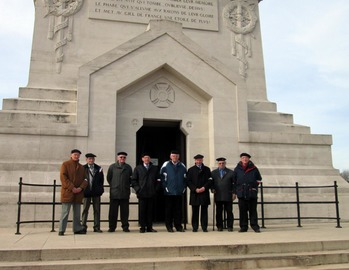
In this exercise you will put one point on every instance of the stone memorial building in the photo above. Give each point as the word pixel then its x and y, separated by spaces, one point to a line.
pixel 152 75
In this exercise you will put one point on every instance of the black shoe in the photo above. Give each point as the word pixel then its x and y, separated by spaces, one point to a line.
pixel 170 230
pixel 126 230
pixel 61 233
pixel 80 232
pixel 220 229
pixel 195 230
pixel 204 230
pixel 257 230
pixel 97 230
pixel 230 229
pixel 142 230
pixel 180 230
pixel 151 230
pixel 111 230
pixel 242 230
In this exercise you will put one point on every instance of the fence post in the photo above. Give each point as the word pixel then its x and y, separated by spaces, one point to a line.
pixel 262 205
pixel 19 205
pixel 298 206
pixel 337 204
pixel 53 206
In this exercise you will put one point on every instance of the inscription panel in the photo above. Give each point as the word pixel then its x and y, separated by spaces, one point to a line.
pixel 196 14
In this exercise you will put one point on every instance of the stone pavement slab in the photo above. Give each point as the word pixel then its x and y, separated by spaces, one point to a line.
pixel 42 238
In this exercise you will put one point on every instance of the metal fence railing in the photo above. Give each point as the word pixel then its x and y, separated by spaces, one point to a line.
pixel 262 202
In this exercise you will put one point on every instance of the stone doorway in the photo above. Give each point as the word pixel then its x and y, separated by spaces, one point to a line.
pixel 159 138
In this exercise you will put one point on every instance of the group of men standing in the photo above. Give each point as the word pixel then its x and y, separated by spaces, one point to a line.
pixel 84 184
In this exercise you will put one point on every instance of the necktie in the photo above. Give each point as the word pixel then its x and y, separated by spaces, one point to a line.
pixel 221 172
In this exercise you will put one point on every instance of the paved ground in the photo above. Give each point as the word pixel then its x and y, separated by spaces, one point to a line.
pixel 42 238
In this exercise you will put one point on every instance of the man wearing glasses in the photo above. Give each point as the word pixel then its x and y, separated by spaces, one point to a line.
pixel 119 179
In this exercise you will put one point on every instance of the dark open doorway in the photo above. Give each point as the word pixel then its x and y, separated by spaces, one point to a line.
pixel 159 138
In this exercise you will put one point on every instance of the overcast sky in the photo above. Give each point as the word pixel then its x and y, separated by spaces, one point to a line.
pixel 306 54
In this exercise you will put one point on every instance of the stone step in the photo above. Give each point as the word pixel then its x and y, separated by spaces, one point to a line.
pixel 261 106
pixel 200 261
pixel 273 127
pixel 28 118
pixel 269 117
pixel 26 104
pixel 47 94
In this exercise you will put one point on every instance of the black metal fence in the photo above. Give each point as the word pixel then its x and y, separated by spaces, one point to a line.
pixel 262 202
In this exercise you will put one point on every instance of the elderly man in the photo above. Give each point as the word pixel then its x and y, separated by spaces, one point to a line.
pixel 119 178
pixel 246 180
pixel 173 174
pixel 145 181
pixel 199 182
pixel 73 181
pixel 93 192
pixel 224 194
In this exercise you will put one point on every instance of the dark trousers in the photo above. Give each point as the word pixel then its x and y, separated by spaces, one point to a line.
pixel 228 209
pixel 173 211
pixel 146 212
pixel 114 211
pixel 248 207
pixel 203 216
pixel 96 203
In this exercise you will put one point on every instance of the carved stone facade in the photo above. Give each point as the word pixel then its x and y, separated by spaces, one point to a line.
pixel 194 80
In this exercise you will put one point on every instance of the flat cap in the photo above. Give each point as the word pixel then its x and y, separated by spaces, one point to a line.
pixel 221 159
pixel 198 156
pixel 122 153
pixel 245 155
pixel 90 155
pixel 75 151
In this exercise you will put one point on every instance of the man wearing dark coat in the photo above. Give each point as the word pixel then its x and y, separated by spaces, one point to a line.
pixel 199 181
pixel 246 179
pixel 93 192
pixel 224 194
pixel 119 179
pixel 145 181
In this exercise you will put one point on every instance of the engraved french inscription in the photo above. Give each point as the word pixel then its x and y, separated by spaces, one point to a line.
pixel 196 14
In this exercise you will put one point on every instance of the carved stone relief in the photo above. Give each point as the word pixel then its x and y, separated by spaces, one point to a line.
pixel 239 16
pixel 60 14
pixel 162 95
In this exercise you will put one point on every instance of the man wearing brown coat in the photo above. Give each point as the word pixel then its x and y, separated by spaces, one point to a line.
pixel 73 181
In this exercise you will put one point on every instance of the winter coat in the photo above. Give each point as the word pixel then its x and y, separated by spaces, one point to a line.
pixel 119 179
pixel 145 181
pixel 247 181
pixel 223 187
pixel 97 189
pixel 173 178
pixel 72 174
pixel 198 178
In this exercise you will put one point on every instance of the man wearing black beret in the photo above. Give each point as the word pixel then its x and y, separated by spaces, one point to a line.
pixel 119 179
pixel 247 178
pixel 93 192
pixel 224 193
pixel 199 182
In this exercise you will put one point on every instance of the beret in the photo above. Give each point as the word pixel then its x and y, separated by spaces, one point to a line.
pixel 245 155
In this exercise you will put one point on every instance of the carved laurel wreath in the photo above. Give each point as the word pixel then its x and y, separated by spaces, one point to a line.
pixel 54 7
pixel 239 23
